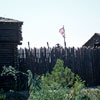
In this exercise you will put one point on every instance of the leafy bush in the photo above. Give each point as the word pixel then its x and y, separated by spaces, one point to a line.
pixel 76 93
pixel 53 92
pixel 33 83
pixel 12 72
pixel 54 86
pixel 61 84
pixel 94 94
pixel 9 71
pixel 61 75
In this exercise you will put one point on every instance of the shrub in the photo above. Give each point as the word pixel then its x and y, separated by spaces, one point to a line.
pixel 76 93
pixel 63 76
pixel 54 86
pixel 53 92
pixel 33 83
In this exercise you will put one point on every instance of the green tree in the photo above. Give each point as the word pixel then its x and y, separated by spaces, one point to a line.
pixel 60 75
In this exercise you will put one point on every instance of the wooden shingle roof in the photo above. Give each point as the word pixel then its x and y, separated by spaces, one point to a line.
pixel 5 20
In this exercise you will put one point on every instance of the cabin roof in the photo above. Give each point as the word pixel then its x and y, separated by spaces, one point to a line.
pixel 92 38
pixel 97 34
pixel 2 19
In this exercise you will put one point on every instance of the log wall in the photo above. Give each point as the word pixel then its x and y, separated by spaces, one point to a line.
pixel 83 61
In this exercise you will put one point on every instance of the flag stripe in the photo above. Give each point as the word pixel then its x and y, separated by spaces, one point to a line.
pixel 62 31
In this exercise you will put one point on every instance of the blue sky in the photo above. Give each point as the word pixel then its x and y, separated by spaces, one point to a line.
pixel 43 19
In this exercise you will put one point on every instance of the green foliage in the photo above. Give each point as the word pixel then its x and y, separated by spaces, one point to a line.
pixel 75 93
pixel 53 92
pixel 33 83
pixel 60 75
pixel 61 84
pixel 54 86
pixel 99 87
pixel 2 96
pixel 9 71
pixel 94 94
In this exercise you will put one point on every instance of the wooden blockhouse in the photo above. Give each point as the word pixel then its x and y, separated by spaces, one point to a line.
pixel 10 38
pixel 94 41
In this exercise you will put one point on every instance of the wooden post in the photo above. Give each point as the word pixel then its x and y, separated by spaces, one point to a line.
pixel 29 46
pixel 48 45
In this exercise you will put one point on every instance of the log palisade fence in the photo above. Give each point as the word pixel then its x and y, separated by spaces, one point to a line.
pixel 83 61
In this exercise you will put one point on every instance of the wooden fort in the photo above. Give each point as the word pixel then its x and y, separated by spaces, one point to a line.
pixel 94 41
pixel 10 38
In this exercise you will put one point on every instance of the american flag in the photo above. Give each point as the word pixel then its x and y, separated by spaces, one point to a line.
pixel 62 31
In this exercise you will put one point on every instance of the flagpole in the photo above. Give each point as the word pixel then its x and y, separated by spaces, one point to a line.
pixel 64 42
pixel 64 37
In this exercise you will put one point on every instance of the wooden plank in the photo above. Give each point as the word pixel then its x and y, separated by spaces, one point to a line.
pixel 10 26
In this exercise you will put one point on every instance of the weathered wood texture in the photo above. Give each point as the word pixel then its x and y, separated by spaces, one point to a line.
pixel 10 37
pixel 10 32
pixel 8 54
pixel 83 61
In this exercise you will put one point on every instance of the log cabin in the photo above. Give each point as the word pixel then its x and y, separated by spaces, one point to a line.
pixel 93 42
pixel 10 38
